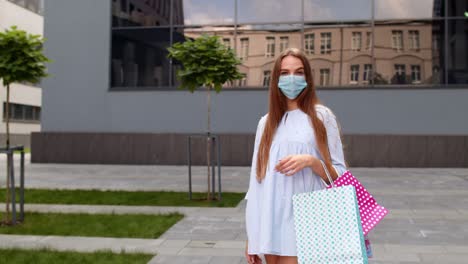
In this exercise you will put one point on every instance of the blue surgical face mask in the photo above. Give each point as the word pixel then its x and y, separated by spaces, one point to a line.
pixel 292 85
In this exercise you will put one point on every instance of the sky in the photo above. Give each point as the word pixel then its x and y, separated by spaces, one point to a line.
pixel 262 11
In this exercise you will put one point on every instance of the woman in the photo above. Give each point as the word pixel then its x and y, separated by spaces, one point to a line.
pixel 290 141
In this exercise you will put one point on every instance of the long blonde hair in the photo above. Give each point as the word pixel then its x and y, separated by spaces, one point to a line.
pixel 306 101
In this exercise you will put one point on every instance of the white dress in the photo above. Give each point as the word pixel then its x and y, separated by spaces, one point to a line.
pixel 269 214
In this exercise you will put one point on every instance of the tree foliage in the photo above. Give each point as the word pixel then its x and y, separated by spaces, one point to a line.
pixel 206 62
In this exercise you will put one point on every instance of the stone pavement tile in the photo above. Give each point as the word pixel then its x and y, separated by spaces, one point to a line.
pixel 233 252
pixel 397 257
pixel 227 260
pixel 197 218
pixel 230 244
pixel 159 259
pixel 457 248
pixel 174 243
pixel 201 244
pixel 168 250
pixel 371 261
pixel 404 248
pixel 455 258
pixel 241 237
pixel 378 249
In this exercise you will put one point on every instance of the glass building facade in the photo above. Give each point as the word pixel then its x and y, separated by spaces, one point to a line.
pixel 350 43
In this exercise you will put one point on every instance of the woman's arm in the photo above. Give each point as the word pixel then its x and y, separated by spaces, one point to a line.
pixel 335 147
pixel 291 164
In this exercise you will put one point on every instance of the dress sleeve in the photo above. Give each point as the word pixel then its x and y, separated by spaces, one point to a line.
pixel 334 140
pixel 258 137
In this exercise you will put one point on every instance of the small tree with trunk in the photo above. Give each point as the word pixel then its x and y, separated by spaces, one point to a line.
pixel 21 60
pixel 206 63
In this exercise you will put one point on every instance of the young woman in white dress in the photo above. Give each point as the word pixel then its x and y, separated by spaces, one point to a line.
pixel 290 141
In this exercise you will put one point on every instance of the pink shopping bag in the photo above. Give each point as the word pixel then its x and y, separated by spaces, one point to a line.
pixel 371 212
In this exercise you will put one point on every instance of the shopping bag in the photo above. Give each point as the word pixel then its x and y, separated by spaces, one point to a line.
pixel 370 211
pixel 328 226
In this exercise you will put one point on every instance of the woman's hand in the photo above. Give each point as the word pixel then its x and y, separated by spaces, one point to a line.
pixel 251 259
pixel 291 164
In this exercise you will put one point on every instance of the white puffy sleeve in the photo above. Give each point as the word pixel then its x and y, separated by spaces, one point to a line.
pixel 258 137
pixel 334 139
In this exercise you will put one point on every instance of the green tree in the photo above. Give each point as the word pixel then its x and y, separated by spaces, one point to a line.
pixel 206 63
pixel 21 60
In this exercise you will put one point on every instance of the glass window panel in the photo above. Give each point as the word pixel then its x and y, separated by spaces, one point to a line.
pixel 259 45
pixel 367 74
pixel 284 43
pixel 204 12
pixel 325 42
pixel 28 114
pixel 226 38
pixel 458 51
pixel 324 77
pixel 337 10
pixel 354 78
pixel 356 41
pixel 413 39
pixel 140 13
pixel 259 11
pixel 18 112
pixel 270 47
pixel 404 50
pixel 309 43
pixel 338 47
pixel 37 113
pixel 227 43
pixel 458 8
pixel 139 57
pixel 406 9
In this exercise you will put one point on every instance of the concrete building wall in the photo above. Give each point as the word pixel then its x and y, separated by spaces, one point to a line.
pixel 77 100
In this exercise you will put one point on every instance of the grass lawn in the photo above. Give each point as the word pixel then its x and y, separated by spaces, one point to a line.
pixel 26 150
pixel 96 197
pixel 20 256
pixel 96 225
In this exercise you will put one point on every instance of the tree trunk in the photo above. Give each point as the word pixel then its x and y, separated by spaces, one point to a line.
pixel 7 191
pixel 208 143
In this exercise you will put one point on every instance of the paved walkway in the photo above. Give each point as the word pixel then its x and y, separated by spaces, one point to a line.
pixel 428 220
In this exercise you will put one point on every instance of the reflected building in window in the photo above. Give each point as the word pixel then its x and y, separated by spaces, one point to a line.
pixel 401 51
pixel 354 52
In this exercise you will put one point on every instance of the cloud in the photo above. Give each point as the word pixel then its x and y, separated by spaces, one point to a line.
pixel 200 12
pixel 395 9
pixel 261 11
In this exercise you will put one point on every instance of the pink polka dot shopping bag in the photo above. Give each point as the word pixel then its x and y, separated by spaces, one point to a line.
pixel 370 211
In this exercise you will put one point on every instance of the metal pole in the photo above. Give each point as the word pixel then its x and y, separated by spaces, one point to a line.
pixel 219 167
pixel 213 176
pixel 171 40
pixel 12 182
pixel 189 152
pixel 22 186
pixel 302 25
pixel 446 44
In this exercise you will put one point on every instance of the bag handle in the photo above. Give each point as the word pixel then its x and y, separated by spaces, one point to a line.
pixel 327 173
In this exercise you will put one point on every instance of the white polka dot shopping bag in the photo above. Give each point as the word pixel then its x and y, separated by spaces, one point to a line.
pixel 370 211
pixel 328 226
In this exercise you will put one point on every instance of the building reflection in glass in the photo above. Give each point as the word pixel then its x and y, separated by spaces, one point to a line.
pixel 405 45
